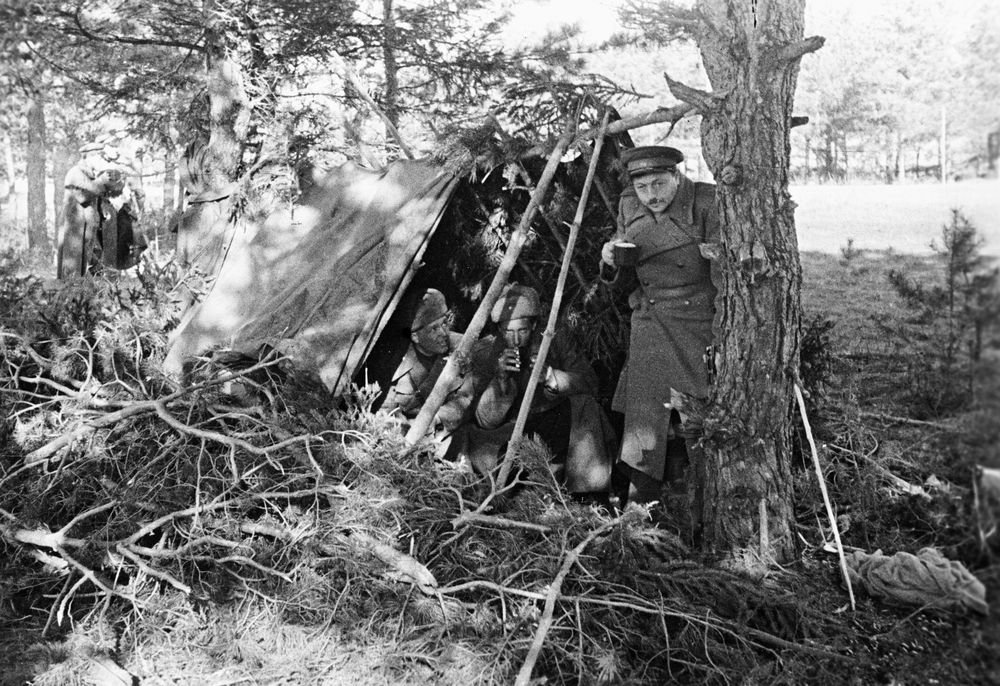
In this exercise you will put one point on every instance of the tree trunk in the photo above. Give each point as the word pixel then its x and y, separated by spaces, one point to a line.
pixel 752 57
pixel 943 146
pixel 169 183
pixel 38 235
pixel 63 156
pixel 391 103
pixel 900 159
pixel 10 192
pixel 846 176
pixel 229 116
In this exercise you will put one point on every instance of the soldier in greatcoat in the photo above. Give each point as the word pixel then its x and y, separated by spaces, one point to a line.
pixel 100 216
pixel 671 221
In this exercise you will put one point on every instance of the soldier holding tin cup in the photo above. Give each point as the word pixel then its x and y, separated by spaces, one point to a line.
pixel 672 222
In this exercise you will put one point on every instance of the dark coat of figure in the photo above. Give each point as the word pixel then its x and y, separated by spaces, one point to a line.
pixel 672 221
pixel 102 209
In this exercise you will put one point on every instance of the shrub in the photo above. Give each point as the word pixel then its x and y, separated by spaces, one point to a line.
pixel 950 320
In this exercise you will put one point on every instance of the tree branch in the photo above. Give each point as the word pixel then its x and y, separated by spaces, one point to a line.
pixel 658 116
pixel 704 101
pixel 545 623
pixel 795 51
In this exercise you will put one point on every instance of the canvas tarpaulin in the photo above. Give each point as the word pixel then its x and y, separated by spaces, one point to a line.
pixel 319 281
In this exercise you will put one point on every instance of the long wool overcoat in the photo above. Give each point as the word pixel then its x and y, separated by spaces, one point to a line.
pixel 672 312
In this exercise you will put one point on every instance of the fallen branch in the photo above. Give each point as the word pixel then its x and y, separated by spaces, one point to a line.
pixel 897 481
pixel 467 518
pixel 545 623
pixel 44 454
pixel 644 606
pixel 893 419
pixel 404 567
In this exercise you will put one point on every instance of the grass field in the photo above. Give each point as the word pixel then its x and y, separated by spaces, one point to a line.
pixel 904 218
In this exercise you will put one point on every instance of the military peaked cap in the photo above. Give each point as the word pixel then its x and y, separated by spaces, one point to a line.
pixel 649 159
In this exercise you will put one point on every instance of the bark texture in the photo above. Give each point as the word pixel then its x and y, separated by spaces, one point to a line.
pixel 751 51
pixel 38 235
pixel 63 156
pixel 229 107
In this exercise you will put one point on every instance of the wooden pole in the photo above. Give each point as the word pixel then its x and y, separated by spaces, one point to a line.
pixel 449 374
pixel 826 496
pixel 550 326
pixel 658 116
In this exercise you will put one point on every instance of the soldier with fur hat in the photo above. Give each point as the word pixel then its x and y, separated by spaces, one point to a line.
pixel 671 220
pixel 426 323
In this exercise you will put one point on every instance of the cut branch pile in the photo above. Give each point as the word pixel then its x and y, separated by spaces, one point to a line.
pixel 124 496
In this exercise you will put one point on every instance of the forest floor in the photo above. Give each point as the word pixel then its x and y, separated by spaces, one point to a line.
pixel 298 601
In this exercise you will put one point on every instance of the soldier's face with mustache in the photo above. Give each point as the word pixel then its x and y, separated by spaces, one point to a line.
pixel 656 190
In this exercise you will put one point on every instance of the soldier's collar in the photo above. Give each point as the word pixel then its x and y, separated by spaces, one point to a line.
pixel 682 206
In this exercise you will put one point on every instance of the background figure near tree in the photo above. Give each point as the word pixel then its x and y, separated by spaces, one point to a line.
pixel 564 412
pixel 100 225
pixel 669 219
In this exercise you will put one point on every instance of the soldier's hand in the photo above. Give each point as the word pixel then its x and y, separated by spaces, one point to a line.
pixel 608 254
pixel 509 361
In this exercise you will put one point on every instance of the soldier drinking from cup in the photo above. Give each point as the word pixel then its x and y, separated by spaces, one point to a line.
pixel 564 412
pixel 670 220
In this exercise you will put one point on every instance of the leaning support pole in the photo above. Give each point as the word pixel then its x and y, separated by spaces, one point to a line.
pixel 826 496
pixel 418 429
pixel 550 326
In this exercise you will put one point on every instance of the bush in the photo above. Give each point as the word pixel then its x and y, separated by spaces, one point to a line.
pixel 949 321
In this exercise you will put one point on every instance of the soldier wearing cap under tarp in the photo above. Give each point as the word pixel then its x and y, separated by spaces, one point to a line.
pixel 670 220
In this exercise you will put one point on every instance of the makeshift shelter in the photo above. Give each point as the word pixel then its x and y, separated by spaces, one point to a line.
pixel 318 281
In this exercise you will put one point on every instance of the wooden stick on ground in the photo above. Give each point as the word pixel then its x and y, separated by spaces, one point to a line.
pixel 550 326
pixel 826 496
pixel 545 623
pixel 418 429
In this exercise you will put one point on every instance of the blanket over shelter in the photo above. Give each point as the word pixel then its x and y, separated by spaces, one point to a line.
pixel 319 280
